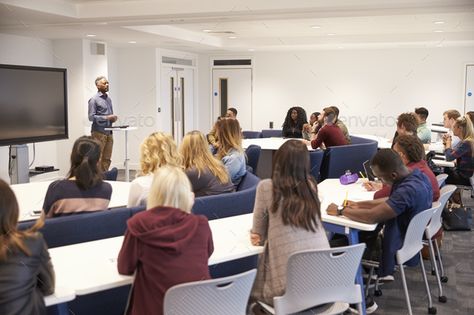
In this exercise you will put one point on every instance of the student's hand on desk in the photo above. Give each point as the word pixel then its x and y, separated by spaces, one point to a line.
pixel 372 186
pixel 352 204
pixel 332 209
pixel 255 239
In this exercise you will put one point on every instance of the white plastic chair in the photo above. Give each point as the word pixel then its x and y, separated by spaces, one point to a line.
pixel 431 230
pixel 412 246
pixel 227 295
pixel 441 178
pixel 318 277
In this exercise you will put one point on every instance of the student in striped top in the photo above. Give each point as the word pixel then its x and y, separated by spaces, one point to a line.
pixel 83 190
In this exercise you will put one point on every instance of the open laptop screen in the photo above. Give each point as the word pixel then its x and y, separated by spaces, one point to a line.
pixel 368 170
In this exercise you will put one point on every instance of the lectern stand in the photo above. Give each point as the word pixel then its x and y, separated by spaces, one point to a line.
pixel 125 163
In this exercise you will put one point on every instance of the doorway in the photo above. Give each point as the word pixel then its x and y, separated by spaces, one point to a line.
pixel 177 100
pixel 232 87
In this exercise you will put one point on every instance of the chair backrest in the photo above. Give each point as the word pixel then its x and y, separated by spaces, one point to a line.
pixel 229 204
pixel 248 134
pixel 227 295
pixel 316 160
pixel 351 157
pixel 316 277
pixel 111 174
pixel 441 178
pixel 268 133
pixel 253 155
pixel 83 227
pixel 435 223
pixel 413 242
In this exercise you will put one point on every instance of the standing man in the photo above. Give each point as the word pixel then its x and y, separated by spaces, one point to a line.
pixel 101 113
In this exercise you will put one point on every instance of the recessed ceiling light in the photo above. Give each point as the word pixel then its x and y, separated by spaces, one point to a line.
pixel 232 37
pixel 315 26
pixel 251 49
pixel 132 42
pixel 438 22
pixel 331 34
pixel 438 31
pixel 340 47
pixel 207 31
pixel 91 35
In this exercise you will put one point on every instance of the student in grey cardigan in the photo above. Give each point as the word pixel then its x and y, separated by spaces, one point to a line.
pixel 286 219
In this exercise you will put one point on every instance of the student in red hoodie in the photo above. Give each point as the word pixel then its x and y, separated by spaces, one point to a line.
pixel 166 244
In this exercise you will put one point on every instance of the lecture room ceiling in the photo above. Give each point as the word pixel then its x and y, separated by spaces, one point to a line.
pixel 210 26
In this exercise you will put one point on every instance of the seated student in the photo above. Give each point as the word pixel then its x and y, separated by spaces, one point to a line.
pixel 411 194
pixel 286 219
pixel 309 129
pixel 212 137
pixel 412 153
pixel 208 176
pixel 341 125
pixel 166 244
pixel 26 272
pixel 329 135
pixel 463 153
pixel 449 119
pixel 83 190
pixel 157 150
pixel 294 121
pixel 423 132
pixel 407 124
pixel 230 149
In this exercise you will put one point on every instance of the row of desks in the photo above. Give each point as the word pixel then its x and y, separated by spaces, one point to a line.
pixel 94 264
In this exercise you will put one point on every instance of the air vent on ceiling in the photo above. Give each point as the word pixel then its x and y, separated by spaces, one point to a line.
pixel 98 49
pixel 233 62
pixel 177 61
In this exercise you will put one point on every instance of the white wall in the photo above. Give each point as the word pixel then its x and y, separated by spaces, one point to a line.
pixel 134 86
pixel 370 87
pixel 33 52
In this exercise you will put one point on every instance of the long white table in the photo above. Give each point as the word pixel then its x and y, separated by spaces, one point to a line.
pixel 92 266
pixel 30 197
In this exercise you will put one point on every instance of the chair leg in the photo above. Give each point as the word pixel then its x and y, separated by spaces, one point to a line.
pixel 441 297
pixel 405 289
pixel 443 277
pixel 431 308
pixel 369 280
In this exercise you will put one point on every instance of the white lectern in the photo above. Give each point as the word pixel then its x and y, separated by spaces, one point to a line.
pixel 125 163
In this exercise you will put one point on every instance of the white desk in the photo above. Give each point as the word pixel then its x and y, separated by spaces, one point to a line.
pixel 383 143
pixel 30 197
pixel 60 295
pixel 268 147
pixel 92 266
pixel 439 129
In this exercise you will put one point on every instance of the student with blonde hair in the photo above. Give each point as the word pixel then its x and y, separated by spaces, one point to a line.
pixel 166 244
pixel 462 153
pixel 207 174
pixel 230 149
pixel 157 150
pixel 26 272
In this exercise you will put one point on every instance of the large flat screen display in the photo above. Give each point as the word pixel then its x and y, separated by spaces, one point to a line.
pixel 33 104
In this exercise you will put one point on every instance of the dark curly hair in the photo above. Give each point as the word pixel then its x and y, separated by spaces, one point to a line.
pixel 409 121
pixel 300 120
pixel 411 147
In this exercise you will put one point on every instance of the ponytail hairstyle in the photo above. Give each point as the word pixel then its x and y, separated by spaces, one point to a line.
pixel 10 238
pixel 85 156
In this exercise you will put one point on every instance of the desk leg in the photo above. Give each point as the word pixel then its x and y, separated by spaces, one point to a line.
pixel 127 173
pixel 353 238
